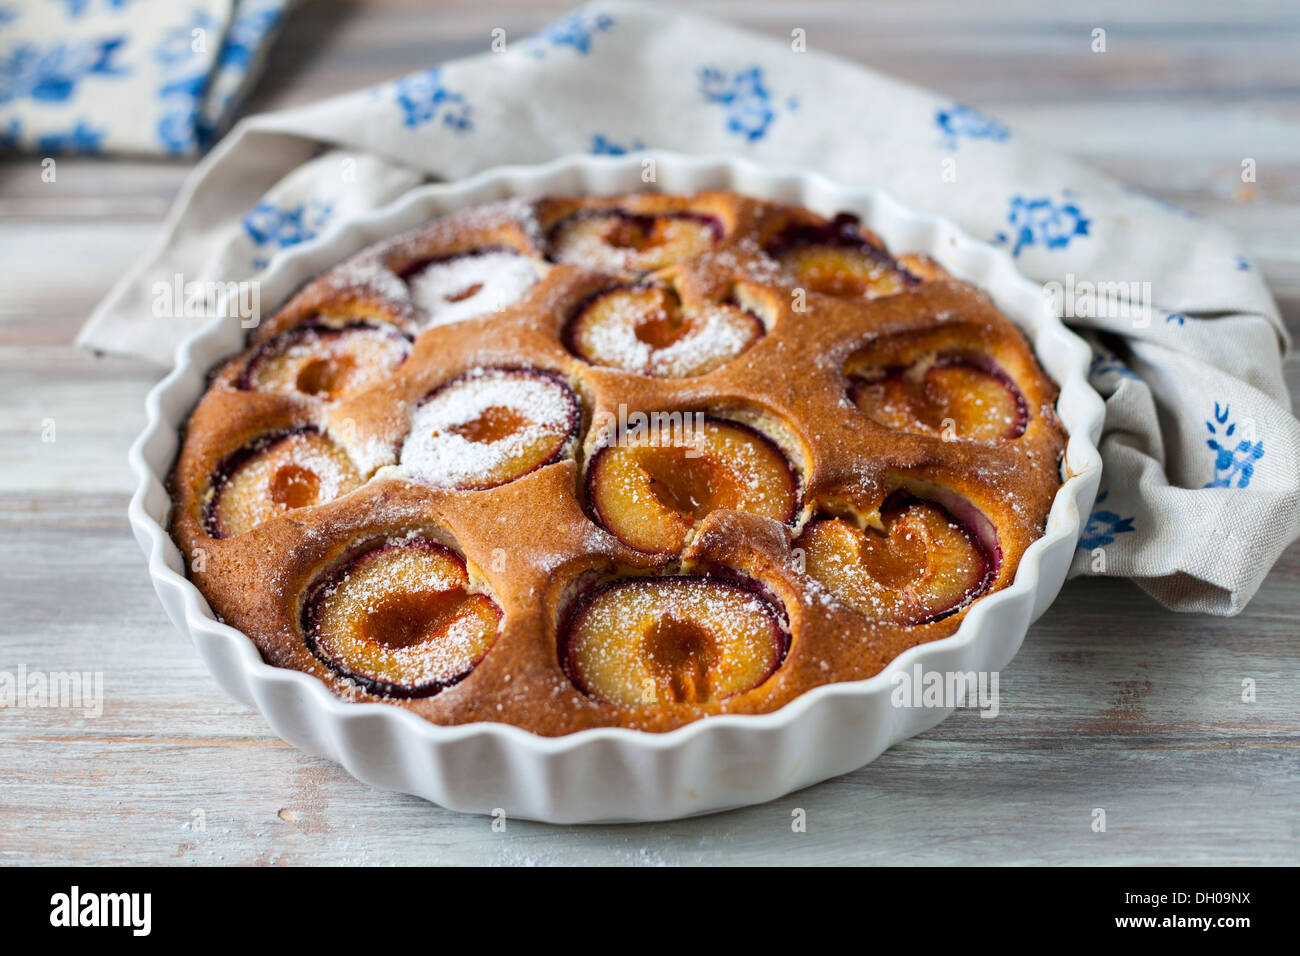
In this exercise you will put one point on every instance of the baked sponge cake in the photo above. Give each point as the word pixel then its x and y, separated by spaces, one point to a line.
pixel 626 461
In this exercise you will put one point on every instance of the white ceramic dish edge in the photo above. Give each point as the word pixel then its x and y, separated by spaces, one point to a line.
pixel 615 774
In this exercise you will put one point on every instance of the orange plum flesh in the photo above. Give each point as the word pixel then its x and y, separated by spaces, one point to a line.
pixel 400 619
pixel 951 397
pixel 643 641
pixel 275 474
pixel 924 566
pixel 652 490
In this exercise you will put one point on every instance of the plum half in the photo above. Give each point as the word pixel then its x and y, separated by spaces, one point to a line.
pixel 399 619
pixel 490 426
pixel 835 259
pixel 971 394
pixel 691 640
pixel 923 566
pixel 273 474
pixel 615 240
pixel 324 361
pixel 644 329
pixel 653 487
pixel 470 284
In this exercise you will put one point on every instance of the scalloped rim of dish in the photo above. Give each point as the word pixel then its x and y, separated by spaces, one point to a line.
pixel 169 403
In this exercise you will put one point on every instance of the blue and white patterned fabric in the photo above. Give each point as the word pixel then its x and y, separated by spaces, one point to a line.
pixel 127 76
pixel 1202 455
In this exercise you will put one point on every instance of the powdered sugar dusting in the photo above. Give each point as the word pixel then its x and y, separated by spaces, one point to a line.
pixel 351 619
pixel 589 240
pixel 467 286
pixel 371 453
pixel 326 361
pixel 368 273
pixel 318 467
pixel 709 338
pixel 685 639
pixel 746 259
pixel 437 453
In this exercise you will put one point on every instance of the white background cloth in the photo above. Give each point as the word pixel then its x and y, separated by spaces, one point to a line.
pixel 1201 484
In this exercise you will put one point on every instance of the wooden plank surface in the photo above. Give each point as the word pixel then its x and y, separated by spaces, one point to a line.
pixel 1112 703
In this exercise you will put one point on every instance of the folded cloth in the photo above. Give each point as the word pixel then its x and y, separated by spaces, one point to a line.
pixel 1201 483
pixel 127 76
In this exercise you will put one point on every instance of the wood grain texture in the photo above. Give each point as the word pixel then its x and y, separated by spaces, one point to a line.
pixel 1112 703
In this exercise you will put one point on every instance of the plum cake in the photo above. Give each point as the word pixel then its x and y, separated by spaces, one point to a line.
pixel 630 461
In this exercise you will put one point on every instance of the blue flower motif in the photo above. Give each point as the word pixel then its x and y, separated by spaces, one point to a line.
pixel 1231 462
pixel 1042 221
pixel 246 33
pixel 75 8
pixel 958 120
pixel 423 97
pixel 1171 317
pixel 254 21
pixel 744 96
pixel 601 146
pixel 1104 363
pixel 1241 264
pixel 184 75
pixel 577 31
pixel 191 87
pixel 51 74
pixel 1103 525
pixel 81 138
pixel 178 128
pixel 283 226
pixel 177 45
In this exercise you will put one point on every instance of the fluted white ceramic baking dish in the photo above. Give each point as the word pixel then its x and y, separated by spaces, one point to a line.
pixel 616 774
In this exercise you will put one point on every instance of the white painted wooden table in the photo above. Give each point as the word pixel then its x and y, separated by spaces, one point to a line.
pixel 1112 703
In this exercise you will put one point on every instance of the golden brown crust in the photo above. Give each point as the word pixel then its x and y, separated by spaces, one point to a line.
pixel 530 542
